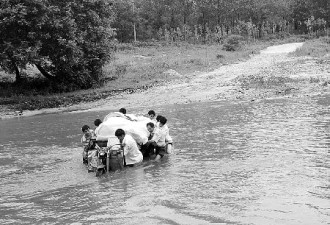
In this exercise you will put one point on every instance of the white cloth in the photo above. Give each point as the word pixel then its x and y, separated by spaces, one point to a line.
pixel 112 122
pixel 131 150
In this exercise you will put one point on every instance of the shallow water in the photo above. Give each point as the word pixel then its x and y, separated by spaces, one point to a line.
pixel 264 162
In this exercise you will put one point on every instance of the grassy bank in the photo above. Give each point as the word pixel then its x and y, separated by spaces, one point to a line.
pixel 304 75
pixel 318 48
pixel 133 68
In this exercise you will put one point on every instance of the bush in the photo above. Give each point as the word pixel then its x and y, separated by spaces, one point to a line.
pixel 325 40
pixel 233 43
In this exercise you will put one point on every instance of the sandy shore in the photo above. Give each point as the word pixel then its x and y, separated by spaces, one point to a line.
pixel 227 83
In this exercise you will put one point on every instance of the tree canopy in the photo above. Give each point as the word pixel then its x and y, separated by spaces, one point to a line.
pixel 181 19
pixel 67 40
pixel 70 40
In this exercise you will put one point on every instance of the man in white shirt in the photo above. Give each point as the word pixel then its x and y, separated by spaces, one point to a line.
pixel 158 139
pixel 132 154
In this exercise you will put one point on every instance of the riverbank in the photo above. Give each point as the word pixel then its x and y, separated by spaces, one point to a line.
pixel 275 72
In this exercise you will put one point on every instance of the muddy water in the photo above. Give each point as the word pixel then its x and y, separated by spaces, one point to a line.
pixel 263 162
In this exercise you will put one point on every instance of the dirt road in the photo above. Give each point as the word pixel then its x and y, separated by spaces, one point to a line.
pixel 270 74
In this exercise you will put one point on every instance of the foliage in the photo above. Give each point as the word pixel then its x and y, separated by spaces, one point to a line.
pixel 68 40
pixel 319 48
pixel 233 43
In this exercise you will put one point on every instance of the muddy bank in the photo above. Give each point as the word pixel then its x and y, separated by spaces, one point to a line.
pixel 272 73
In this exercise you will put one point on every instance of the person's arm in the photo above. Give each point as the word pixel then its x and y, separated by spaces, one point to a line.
pixel 156 136
pixel 168 139
pixel 127 146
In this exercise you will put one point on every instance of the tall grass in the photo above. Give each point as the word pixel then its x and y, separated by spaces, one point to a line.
pixel 316 48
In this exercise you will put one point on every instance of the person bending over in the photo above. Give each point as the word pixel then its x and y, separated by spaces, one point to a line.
pixel 132 154
pixel 148 149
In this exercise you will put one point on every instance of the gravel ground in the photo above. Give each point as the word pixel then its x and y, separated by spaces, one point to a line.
pixel 273 73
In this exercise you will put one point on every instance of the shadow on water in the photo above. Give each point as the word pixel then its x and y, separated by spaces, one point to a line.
pixel 264 162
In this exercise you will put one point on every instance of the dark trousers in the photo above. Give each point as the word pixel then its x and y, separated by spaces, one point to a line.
pixel 148 149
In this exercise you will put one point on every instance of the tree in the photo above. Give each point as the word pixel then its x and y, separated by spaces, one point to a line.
pixel 68 40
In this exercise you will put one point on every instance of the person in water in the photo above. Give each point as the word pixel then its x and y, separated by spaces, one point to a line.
pixel 89 152
pixel 158 139
pixel 123 113
pixel 148 149
pixel 97 123
pixel 168 139
pixel 122 110
pixel 88 135
pixel 152 115
pixel 132 154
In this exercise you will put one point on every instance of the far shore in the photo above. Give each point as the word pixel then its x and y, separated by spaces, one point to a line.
pixel 278 71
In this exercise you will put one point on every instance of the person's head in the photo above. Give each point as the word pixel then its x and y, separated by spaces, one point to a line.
pixel 162 121
pixel 122 110
pixel 151 114
pixel 85 128
pixel 97 122
pixel 120 134
pixel 158 117
pixel 150 127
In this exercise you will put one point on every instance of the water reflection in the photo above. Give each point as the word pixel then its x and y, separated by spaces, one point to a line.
pixel 264 162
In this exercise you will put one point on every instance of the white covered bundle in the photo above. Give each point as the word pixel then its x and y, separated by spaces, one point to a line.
pixel 136 126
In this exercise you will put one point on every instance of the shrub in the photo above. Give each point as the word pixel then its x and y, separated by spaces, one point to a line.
pixel 121 69
pixel 325 40
pixel 233 43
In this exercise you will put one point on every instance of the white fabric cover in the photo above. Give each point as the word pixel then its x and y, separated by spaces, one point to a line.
pixel 137 128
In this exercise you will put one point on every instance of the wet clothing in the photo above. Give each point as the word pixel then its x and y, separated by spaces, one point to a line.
pixel 131 151
pixel 159 136
pixel 89 153
pixel 160 150
pixel 156 144
pixel 87 136
pixel 168 138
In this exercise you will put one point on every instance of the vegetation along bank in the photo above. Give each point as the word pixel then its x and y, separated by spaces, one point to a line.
pixel 63 53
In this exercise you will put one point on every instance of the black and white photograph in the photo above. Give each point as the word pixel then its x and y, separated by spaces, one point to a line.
pixel 165 112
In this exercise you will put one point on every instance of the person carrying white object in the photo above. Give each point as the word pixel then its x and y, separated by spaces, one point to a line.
pixel 132 154
pixel 98 124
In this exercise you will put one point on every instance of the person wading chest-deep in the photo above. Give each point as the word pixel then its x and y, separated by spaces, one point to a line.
pixel 132 154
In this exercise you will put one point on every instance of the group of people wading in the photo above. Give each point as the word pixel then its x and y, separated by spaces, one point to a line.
pixel 158 144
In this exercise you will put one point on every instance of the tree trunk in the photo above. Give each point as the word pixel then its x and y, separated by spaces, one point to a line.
pixel 44 72
pixel 18 77
pixel 218 13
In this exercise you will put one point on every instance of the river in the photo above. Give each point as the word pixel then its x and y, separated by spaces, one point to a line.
pixel 262 162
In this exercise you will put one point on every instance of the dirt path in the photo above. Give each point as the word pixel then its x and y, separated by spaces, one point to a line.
pixel 272 73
